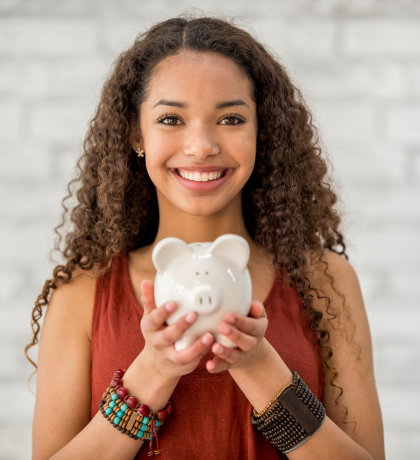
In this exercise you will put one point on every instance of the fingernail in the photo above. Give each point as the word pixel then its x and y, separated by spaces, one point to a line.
pixel 224 328
pixel 219 348
pixel 207 339
pixel 230 319
pixel 190 318
pixel 169 306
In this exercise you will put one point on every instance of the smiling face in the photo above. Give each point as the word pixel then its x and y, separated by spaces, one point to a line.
pixel 195 101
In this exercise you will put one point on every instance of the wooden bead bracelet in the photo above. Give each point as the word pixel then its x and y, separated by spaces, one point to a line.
pixel 130 417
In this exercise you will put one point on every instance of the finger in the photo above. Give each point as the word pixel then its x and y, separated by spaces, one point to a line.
pixel 251 326
pixel 230 355
pixel 245 342
pixel 147 296
pixel 196 350
pixel 172 333
pixel 217 365
pixel 155 320
pixel 257 309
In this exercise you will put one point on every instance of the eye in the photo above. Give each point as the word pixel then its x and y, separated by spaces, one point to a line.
pixel 168 116
pixel 196 273
pixel 234 117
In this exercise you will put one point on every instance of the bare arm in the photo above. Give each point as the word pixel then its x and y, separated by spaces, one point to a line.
pixel 62 423
pixel 356 374
pixel 264 373
pixel 62 428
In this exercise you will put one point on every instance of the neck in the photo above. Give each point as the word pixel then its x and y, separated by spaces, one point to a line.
pixel 205 228
pixel 192 228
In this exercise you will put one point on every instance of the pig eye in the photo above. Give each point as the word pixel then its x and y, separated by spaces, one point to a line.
pixel 207 273
pixel 196 273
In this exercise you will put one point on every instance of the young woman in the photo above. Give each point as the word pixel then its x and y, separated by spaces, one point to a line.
pixel 192 100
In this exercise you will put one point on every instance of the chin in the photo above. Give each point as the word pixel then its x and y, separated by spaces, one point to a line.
pixel 206 205
pixel 201 211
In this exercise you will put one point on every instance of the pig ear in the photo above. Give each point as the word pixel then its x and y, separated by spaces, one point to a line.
pixel 167 250
pixel 231 248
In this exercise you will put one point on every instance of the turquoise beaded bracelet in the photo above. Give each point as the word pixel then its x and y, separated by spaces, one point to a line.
pixel 131 418
pixel 116 413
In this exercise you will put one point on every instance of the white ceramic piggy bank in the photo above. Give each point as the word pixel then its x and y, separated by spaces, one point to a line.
pixel 208 278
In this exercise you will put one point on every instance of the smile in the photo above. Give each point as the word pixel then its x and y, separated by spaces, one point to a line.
pixel 201 181
pixel 200 176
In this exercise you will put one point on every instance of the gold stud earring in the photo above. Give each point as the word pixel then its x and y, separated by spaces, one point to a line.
pixel 140 152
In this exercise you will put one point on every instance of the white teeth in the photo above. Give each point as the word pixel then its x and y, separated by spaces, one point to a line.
pixel 200 177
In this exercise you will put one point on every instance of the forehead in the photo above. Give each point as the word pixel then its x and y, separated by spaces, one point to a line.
pixel 193 74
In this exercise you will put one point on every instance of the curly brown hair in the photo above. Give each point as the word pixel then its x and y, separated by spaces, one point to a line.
pixel 288 204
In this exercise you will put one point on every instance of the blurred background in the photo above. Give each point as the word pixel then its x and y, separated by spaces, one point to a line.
pixel 358 65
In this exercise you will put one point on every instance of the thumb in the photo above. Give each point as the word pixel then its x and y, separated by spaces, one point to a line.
pixel 147 296
pixel 257 309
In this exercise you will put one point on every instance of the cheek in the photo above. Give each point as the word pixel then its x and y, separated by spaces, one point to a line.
pixel 245 153
pixel 161 146
pixel 159 151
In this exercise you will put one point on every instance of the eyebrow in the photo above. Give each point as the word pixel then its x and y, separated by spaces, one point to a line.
pixel 221 105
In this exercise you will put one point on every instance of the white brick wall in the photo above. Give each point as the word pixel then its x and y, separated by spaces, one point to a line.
pixel 358 64
pixel 44 37
pixel 403 122
pixel 382 38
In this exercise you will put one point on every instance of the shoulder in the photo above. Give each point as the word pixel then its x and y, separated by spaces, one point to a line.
pixel 71 303
pixel 337 295
pixel 332 275
pixel 322 264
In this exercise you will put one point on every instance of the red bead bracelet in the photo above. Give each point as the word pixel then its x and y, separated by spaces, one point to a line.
pixel 126 423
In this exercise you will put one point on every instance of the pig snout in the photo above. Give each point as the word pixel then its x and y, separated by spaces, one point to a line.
pixel 206 299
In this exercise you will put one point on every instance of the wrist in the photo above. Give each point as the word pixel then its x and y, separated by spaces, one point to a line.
pixel 148 385
pixel 262 379
pixel 262 357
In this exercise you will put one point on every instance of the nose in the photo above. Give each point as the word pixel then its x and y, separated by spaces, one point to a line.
pixel 200 144
pixel 206 299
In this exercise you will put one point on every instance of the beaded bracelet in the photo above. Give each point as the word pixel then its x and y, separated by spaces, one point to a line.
pixel 257 415
pixel 294 417
pixel 131 418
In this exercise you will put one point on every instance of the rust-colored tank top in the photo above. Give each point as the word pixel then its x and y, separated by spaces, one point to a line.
pixel 211 417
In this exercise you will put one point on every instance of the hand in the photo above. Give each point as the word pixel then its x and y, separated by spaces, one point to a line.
pixel 247 333
pixel 159 349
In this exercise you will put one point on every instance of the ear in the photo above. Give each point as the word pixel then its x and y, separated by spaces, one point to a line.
pixel 135 137
pixel 167 250
pixel 231 248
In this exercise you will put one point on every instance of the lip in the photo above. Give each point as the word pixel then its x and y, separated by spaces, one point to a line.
pixel 200 168
pixel 203 186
